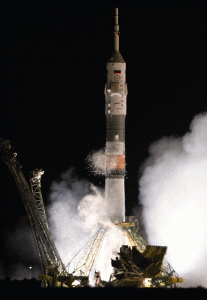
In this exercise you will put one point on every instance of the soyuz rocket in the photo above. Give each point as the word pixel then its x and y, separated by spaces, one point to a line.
pixel 115 111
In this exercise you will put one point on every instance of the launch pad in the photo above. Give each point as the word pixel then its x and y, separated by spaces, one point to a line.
pixel 140 264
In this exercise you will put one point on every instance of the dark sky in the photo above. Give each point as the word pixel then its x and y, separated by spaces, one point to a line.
pixel 55 72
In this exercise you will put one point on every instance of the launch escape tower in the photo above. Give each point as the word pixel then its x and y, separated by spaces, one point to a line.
pixel 136 263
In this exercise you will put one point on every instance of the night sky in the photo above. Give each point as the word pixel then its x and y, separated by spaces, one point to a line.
pixel 55 72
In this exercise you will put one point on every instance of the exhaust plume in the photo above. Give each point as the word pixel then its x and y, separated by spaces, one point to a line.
pixel 173 191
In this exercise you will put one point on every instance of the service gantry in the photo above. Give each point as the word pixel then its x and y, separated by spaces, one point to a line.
pixel 53 269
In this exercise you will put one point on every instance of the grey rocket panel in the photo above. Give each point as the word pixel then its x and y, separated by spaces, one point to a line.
pixel 115 127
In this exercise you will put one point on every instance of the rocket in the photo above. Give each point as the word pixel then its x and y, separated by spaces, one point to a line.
pixel 115 111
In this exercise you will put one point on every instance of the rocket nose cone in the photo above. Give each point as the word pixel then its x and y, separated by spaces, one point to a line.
pixel 116 57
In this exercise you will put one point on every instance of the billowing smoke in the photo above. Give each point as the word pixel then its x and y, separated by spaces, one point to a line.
pixel 96 161
pixel 67 222
pixel 173 190
pixel 76 211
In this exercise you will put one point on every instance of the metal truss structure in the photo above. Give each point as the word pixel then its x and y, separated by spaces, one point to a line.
pixel 35 183
pixel 167 275
pixel 84 260
pixel 50 259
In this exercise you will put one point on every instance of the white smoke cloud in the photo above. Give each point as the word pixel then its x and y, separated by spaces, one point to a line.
pixel 97 162
pixel 173 190
pixel 76 211
pixel 67 226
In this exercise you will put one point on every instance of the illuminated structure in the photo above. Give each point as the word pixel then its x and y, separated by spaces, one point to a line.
pixel 136 264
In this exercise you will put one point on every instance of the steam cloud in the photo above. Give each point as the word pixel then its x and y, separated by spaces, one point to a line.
pixel 96 161
pixel 76 211
pixel 173 191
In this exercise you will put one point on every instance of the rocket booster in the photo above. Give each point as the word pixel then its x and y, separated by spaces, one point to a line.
pixel 115 110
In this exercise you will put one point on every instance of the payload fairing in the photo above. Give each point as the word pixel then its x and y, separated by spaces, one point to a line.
pixel 115 110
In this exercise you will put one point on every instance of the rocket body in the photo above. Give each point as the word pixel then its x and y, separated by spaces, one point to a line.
pixel 115 110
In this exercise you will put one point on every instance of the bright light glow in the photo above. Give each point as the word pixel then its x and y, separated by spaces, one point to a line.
pixel 173 190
